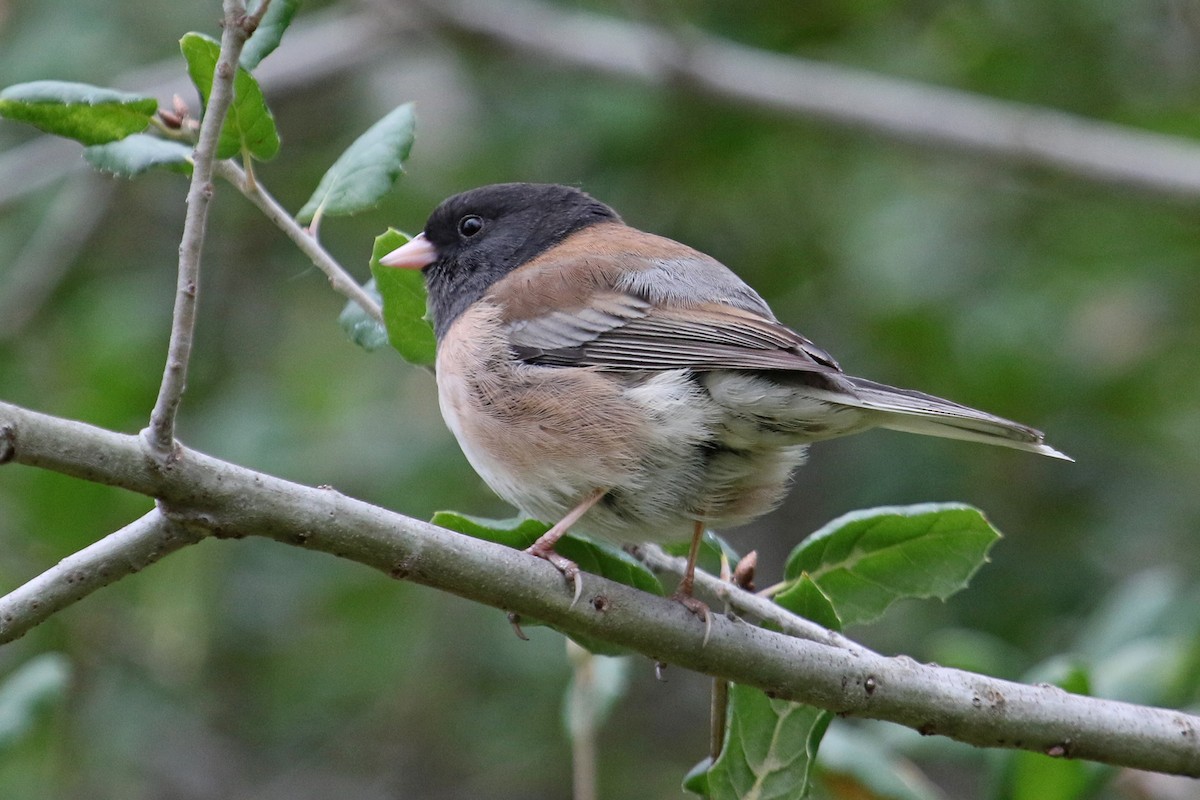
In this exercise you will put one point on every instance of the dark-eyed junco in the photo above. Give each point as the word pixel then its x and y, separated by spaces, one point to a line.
pixel 626 385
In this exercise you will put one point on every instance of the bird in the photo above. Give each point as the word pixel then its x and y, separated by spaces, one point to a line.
pixel 628 387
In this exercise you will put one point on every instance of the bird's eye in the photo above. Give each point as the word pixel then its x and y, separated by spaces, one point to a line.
pixel 470 225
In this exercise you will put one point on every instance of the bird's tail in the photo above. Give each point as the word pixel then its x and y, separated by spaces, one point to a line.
pixel 916 412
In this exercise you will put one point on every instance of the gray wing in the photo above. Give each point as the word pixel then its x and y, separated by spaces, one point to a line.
pixel 620 330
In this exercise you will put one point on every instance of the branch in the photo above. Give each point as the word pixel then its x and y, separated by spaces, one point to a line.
pixel 339 278
pixel 160 435
pixel 137 545
pixel 746 602
pixel 234 501
pixel 909 111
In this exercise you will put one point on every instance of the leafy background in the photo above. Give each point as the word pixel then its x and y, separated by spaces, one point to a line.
pixel 252 670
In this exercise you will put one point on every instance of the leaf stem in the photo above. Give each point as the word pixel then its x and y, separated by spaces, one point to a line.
pixel 341 280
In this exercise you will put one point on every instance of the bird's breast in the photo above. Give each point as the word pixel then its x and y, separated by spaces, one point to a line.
pixel 543 438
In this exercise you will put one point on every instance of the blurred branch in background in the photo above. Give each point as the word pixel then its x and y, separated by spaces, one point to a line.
pixel 43 263
pixel 915 113
pixel 919 114
pixel 230 500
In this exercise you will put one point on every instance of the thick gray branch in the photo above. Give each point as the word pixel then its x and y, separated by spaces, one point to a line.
pixel 233 501
pixel 917 113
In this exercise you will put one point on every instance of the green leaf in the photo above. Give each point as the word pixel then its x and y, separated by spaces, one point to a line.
pixel 857 762
pixel 367 170
pixel 249 126
pixel 805 598
pixel 264 40
pixel 27 693
pixel 363 329
pixel 138 153
pixel 596 558
pixel 88 114
pixel 770 746
pixel 866 560
pixel 404 305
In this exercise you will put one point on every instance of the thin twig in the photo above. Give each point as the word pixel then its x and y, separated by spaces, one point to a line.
pixel 917 113
pixel 987 712
pixel 749 603
pixel 160 435
pixel 339 278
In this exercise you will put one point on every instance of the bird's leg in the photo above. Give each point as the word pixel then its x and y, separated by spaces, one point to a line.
pixel 683 593
pixel 544 546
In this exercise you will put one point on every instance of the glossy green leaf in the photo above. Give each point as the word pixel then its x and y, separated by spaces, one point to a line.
pixel 866 560
pixel 26 693
pixel 770 747
pixel 138 153
pixel 805 598
pixel 249 126
pixel 404 305
pixel 88 114
pixel 264 40
pixel 367 170
pixel 598 558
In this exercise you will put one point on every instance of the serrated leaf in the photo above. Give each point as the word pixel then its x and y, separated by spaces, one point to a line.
pixel 596 558
pixel 363 329
pixel 404 304
pixel 138 153
pixel 27 692
pixel 770 746
pixel 866 560
pixel 79 111
pixel 249 126
pixel 805 598
pixel 270 30
pixel 367 170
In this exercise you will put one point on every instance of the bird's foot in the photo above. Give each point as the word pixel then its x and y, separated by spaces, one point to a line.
pixel 683 595
pixel 566 566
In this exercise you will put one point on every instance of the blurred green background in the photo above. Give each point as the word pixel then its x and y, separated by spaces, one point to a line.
pixel 249 669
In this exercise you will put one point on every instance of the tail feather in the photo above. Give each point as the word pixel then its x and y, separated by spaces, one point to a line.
pixel 917 412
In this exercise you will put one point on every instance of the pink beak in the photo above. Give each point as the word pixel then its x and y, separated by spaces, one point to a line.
pixel 416 254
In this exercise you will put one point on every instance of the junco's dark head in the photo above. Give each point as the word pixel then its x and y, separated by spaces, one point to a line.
pixel 475 238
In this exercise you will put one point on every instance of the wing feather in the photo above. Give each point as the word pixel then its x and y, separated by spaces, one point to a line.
pixel 619 334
